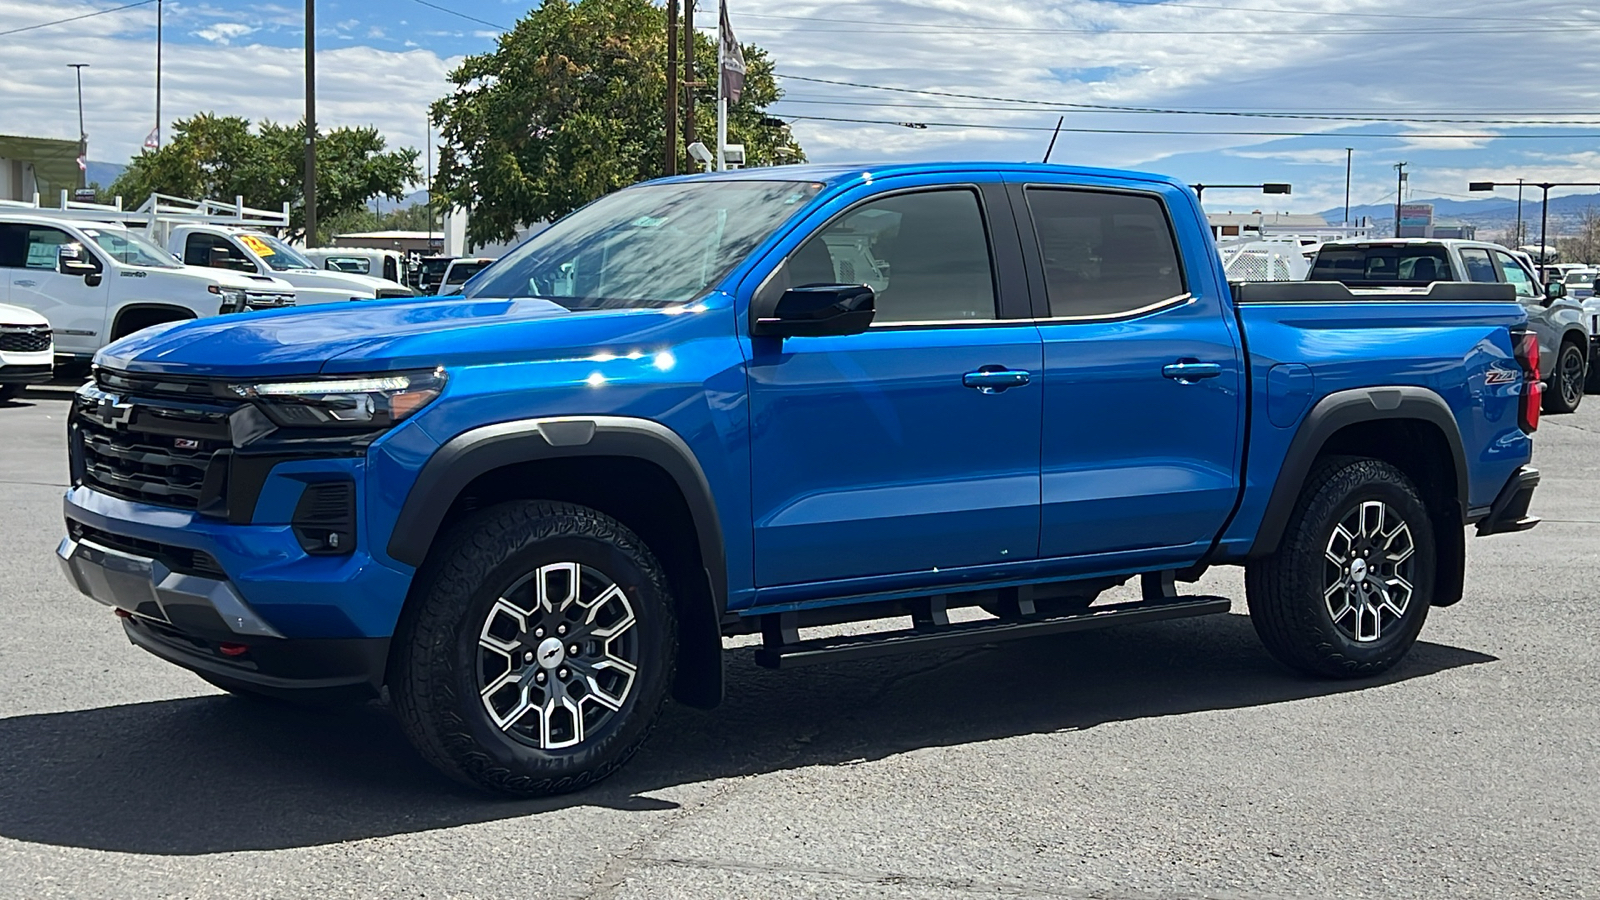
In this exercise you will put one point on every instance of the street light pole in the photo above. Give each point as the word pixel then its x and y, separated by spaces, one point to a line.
pixel 1349 152
pixel 1520 239
pixel 83 136
pixel 1544 206
pixel 160 15
pixel 1276 187
pixel 311 123
pixel 1399 193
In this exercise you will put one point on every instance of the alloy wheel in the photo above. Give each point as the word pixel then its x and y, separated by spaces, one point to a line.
pixel 558 656
pixel 1368 580
pixel 1571 377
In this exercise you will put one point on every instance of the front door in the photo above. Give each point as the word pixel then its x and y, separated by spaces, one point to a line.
pixel 76 310
pixel 913 447
pixel 1143 397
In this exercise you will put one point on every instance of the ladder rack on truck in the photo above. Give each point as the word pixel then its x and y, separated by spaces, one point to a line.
pixel 160 213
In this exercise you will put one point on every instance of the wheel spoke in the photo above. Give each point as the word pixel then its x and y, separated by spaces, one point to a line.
pixel 558 600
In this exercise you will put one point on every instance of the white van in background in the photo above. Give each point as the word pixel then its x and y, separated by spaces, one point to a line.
pixel 390 265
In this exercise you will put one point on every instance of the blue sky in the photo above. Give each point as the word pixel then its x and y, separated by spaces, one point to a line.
pixel 1490 69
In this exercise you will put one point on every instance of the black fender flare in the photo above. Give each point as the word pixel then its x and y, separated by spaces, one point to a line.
pixel 1339 410
pixel 473 453
pixel 181 313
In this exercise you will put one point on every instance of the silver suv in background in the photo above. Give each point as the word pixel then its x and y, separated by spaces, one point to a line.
pixel 1565 337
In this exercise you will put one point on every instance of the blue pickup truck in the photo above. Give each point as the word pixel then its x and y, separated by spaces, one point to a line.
pixel 771 399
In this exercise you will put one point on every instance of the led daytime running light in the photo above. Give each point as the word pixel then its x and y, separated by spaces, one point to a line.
pixel 319 388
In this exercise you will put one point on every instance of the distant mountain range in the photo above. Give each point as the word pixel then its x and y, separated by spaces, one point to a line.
pixel 1488 213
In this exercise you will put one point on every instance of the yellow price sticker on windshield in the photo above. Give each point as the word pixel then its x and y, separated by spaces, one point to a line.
pixel 261 248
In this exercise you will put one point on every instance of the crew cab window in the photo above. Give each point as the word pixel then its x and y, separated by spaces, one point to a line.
pixel 1478 265
pixel 925 256
pixel 1104 253
pixel 197 251
pixel 1516 275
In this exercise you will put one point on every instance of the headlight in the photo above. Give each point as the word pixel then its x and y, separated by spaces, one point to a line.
pixel 376 401
pixel 233 300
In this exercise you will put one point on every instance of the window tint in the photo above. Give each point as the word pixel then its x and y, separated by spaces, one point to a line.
pixel 925 256
pixel 1104 253
pixel 1478 266
pixel 197 251
pixel 42 244
pixel 1517 275
pixel 1408 265
pixel 13 246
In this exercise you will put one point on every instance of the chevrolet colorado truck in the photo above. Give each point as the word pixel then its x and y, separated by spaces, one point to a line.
pixel 770 399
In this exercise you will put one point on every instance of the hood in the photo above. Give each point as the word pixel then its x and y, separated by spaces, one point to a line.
pixel 231 279
pixel 16 315
pixel 379 335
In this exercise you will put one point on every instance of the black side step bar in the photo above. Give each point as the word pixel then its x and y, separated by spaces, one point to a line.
pixel 782 647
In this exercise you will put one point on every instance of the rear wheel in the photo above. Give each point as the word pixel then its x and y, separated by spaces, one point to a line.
pixel 540 651
pixel 1349 588
pixel 1567 380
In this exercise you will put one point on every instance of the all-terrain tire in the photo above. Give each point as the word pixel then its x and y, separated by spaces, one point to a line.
pixel 1291 605
pixel 437 674
pixel 1567 380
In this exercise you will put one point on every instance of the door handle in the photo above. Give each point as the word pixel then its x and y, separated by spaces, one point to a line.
pixel 1189 371
pixel 26 283
pixel 993 379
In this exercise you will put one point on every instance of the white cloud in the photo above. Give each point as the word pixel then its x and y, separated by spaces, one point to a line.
pixel 225 32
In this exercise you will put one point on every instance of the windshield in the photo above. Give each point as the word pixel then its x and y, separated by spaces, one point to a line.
pixel 1408 265
pixel 648 245
pixel 132 249
pixel 275 253
pixel 435 266
pixel 460 272
pixel 1580 278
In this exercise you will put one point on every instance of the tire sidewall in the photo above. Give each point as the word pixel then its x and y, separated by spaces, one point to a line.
pixel 1342 494
pixel 1557 396
pixel 572 767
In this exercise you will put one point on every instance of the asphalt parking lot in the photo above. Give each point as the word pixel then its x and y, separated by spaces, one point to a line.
pixel 1162 760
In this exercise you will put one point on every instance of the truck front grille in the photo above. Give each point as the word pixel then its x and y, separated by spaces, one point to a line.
pixel 24 339
pixel 150 440
pixel 267 300
pixel 185 560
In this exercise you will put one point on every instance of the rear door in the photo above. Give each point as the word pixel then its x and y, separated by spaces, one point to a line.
pixel 1531 295
pixel 75 308
pixel 1143 383
pixel 914 447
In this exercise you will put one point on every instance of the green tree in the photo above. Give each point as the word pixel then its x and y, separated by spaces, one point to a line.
pixel 570 106
pixel 221 157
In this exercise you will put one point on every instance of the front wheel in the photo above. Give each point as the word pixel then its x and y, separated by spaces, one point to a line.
pixel 9 392
pixel 1349 587
pixel 1567 381
pixel 539 652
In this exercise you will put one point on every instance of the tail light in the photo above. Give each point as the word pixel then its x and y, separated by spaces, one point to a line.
pixel 1527 351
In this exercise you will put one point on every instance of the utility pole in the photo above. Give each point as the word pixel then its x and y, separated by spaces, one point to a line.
pixel 83 136
pixel 159 17
pixel 428 187
pixel 688 71
pixel 1520 239
pixel 1399 193
pixel 672 88
pixel 1348 153
pixel 311 123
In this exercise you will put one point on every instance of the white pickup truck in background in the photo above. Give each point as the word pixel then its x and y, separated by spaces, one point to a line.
pixel 96 281
pixel 246 250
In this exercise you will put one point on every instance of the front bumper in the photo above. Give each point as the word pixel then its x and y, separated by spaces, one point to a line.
pixel 204 625
pixel 1510 510
pixel 36 374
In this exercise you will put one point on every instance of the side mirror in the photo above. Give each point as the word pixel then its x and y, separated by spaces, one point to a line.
pixel 1554 291
pixel 819 310
pixel 70 261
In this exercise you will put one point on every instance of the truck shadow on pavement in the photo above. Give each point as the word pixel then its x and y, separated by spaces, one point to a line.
pixel 216 774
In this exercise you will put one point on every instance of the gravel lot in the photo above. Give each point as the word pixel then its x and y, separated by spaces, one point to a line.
pixel 1162 760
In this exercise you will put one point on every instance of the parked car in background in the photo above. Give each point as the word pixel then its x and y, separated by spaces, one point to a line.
pixel 246 250
pixel 1580 284
pixel 1412 264
pixel 389 265
pixel 460 271
pixel 430 272
pixel 823 395
pixel 97 282
pixel 27 354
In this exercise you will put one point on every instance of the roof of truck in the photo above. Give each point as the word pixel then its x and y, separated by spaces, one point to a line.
pixel 836 174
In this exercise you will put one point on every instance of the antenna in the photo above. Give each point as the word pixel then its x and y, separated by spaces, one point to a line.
pixel 1053 136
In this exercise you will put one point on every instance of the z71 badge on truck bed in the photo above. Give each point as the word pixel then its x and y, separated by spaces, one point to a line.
pixel 774 398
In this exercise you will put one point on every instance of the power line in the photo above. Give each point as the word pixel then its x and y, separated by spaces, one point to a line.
pixel 1343 134
pixel 1530 26
pixel 1343 14
pixel 98 12
pixel 1327 110
pixel 462 15
pixel 1134 110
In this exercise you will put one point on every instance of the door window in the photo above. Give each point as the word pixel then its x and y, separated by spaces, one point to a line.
pixel 42 247
pixel 925 255
pixel 1104 253
pixel 353 264
pixel 1478 265
pixel 1516 274
pixel 198 251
